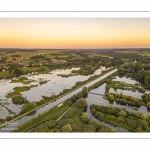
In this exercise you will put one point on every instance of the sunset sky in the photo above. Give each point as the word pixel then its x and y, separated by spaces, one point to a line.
pixel 74 33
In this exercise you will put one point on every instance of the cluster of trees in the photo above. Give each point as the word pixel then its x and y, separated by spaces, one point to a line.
pixel 3 59
pixel 91 69
pixel 27 107
pixel 139 71
pixel 15 55
pixel 132 121
pixel 146 99
pixel 124 86
pixel 38 57
pixel 46 99
pixel 123 99
pixel 18 99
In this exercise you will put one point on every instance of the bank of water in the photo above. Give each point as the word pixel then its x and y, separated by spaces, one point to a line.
pixel 21 121
pixel 55 84
pixel 99 100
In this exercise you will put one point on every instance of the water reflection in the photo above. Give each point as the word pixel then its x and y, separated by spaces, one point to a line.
pixel 50 105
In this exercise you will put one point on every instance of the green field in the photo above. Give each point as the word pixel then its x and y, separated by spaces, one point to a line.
pixel 146 54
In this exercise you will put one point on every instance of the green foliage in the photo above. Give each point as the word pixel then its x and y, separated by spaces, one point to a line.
pixel 27 107
pixel 51 114
pixel 75 120
pixel 111 96
pixel 148 105
pixel 119 117
pixel 122 113
pixel 146 98
pixel 89 128
pixel 81 103
pixel 18 90
pixel 123 99
pixel 17 72
pixel 67 128
pixel 85 116
pixel 42 82
pixel 23 80
pixel 18 99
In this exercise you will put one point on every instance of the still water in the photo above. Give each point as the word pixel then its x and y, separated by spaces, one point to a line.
pixel 50 105
pixel 55 84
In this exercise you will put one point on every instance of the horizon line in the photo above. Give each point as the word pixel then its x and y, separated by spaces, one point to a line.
pixel 79 48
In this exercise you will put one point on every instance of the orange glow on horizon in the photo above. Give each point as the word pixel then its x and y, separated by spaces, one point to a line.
pixel 74 33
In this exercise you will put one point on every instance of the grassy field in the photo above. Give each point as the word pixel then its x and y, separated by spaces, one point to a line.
pixel 145 54
pixel 76 117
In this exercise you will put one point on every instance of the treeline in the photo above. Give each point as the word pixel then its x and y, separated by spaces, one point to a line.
pixel 129 100
pixel 124 86
pixel 124 99
pixel 132 121
pixel 38 57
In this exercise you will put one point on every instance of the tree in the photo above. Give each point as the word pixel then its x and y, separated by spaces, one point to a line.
pixel 115 86
pixel 67 128
pixel 144 116
pixel 117 95
pixel 148 105
pixel 89 128
pixel 139 130
pixel 131 98
pixel 17 72
pixel 81 103
pixel 124 97
pixel 122 113
pixel 85 116
pixel 84 90
pixel 111 96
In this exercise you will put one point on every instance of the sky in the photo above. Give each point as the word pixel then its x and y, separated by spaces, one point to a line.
pixel 74 33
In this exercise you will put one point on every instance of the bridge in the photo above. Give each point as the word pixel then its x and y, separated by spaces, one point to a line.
pixel 96 93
